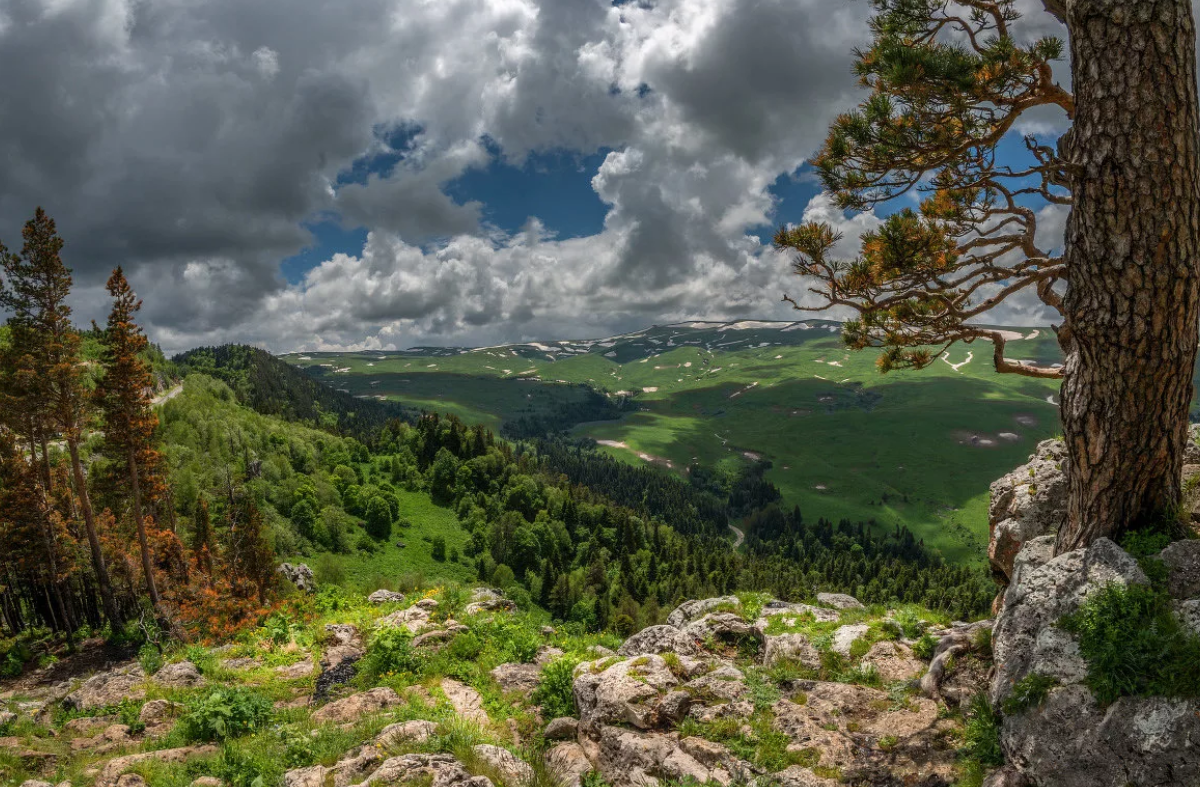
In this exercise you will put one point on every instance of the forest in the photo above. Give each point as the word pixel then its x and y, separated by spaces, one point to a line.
pixel 143 520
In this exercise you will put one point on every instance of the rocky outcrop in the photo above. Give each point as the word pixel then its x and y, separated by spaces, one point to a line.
pixel 107 688
pixel 113 770
pixel 627 692
pixel 838 601
pixel 382 596
pixel 300 576
pixel 688 611
pixel 1069 739
pixel 510 768
pixel 1029 502
pixel 485 600
pixel 180 675
pixel 356 706
pixel 465 700
pixel 518 678
pixel 439 770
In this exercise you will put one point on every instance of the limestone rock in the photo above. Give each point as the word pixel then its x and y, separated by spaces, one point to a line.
pixel 158 712
pixel 519 678
pixel 6 718
pixel 355 706
pixel 300 575
pixel 627 692
pixel 799 611
pixel 893 661
pixel 692 610
pixel 107 688
pixel 466 701
pixel 845 636
pixel 658 639
pixel 113 770
pixel 791 647
pixel 724 684
pixel 722 626
pixel 839 601
pixel 180 675
pixel 569 763
pixel 510 767
pixel 206 781
pixel 443 769
pixel 1182 560
pixel 113 737
pixel 561 729
pixel 301 669
pixel 382 596
pixel 1029 502
pixel 797 776
pixel 1188 613
pixel 415 619
pixel 417 731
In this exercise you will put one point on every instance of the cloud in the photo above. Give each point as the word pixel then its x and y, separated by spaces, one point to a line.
pixel 190 141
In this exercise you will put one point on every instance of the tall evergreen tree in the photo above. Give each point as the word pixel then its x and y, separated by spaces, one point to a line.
pixel 126 406
pixel 35 292
pixel 949 79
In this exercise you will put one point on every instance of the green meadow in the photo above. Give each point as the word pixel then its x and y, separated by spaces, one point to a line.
pixel 917 448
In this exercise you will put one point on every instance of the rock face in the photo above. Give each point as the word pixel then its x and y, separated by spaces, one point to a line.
pixel 357 705
pixel 300 575
pixel 1029 502
pixel 1069 739
pixel 107 688
pixel 628 692
pixel 385 596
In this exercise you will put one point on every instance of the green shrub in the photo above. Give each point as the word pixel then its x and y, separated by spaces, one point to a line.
pixel 391 650
pixel 225 713
pixel 1029 692
pixel 1134 645
pixel 924 647
pixel 556 692
pixel 13 655
pixel 248 766
pixel 150 657
pixel 981 733
pixel 1144 543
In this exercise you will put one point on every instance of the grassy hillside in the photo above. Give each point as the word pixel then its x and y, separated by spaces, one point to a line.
pixel 914 448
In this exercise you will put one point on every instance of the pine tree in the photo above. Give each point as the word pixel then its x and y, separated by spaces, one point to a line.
pixel 35 292
pixel 202 543
pixel 948 81
pixel 124 400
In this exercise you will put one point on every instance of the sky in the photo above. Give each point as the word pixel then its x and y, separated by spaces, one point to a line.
pixel 381 174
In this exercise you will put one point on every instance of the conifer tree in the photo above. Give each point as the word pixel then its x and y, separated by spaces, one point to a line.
pixel 36 287
pixel 124 399
pixel 948 81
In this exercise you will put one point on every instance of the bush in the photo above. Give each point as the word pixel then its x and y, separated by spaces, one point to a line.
pixel 981 734
pixel 391 650
pixel 1134 645
pixel 925 646
pixel 150 657
pixel 556 692
pixel 225 713
pixel 1029 692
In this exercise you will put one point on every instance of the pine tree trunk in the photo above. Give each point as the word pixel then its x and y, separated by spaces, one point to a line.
pixel 89 522
pixel 147 563
pixel 1132 252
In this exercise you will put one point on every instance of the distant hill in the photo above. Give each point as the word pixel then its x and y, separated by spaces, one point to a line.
pixel 273 387
pixel 842 440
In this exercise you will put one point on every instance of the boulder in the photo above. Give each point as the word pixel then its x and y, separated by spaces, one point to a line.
pixel 797 776
pixel 439 770
pixel 893 661
pixel 107 688
pixel 1182 560
pixel 561 729
pixel 301 669
pixel 1188 613
pixel 845 636
pixel 627 692
pixel 722 627
pixel 435 639
pixel 838 601
pixel 569 763
pixel 300 575
pixel 519 678
pixel 466 701
pixel 1069 739
pixel 654 640
pixel 113 737
pixel 6 718
pixel 1029 502
pixel 349 709
pixel 791 647
pixel 695 609
pixel 723 684
pixel 1026 639
pixel 113 770
pixel 489 605
pixel 505 762
pixel 206 781
pixel 180 675
pixel 798 611
pixel 415 619
pixel 417 731
pixel 382 596
pixel 158 712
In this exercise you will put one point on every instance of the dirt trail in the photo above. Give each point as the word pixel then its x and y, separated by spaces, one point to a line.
pixel 741 537
pixel 167 395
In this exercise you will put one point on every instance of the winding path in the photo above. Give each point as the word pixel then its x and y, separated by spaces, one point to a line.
pixel 740 536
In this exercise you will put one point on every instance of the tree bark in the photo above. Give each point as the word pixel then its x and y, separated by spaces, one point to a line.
pixel 89 522
pixel 1132 252
pixel 147 563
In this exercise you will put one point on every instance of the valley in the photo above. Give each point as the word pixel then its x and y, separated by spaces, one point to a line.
pixel 840 440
